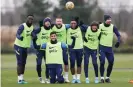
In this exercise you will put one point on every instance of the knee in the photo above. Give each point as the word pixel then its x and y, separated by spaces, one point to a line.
pixel 21 63
pixel 52 80
pixel 60 80
pixel 86 63
pixel 102 62
pixel 79 64
pixel 94 62
pixel 65 62
pixel 111 62
pixel 72 65
pixel 38 61
pixel 38 67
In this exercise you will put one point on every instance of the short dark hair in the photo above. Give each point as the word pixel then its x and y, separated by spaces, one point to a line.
pixel 52 33
pixel 58 17
pixel 94 23
pixel 30 15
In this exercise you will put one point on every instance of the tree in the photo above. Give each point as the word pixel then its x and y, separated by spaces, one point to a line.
pixel 39 8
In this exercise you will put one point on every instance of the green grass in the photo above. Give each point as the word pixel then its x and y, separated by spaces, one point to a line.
pixel 122 73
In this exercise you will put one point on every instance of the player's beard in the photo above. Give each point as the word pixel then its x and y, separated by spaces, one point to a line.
pixel 94 30
pixel 53 42
pixel 59 26
pixel 47 28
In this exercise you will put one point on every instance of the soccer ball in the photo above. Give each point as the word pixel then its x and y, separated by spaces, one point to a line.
pixel 69 5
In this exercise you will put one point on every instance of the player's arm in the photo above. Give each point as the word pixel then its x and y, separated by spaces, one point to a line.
pixel 35 45
pixel 115 30
pixel 83 27
pixel 67 26
pixel 19 32
pixel 73 42
pixel 43 46
pixel 35 32
pixel 81 24
pixel 70 43
pixel 64 49
pixel 85 38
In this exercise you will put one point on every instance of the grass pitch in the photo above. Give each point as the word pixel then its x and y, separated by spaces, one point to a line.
pixel 122 73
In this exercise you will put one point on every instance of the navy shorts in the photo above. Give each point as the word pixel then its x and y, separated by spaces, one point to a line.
pixel 75 55
pixel 21 54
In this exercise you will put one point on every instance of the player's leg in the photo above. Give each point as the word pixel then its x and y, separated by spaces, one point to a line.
pixel 110 58
pixel 86 63
pixel 21 61
pixel 72 64
pixel 66 67
pixel 102 63
pixel 52 74
pixel 79 55
pixel 39 55
pixel 24 55
pixel 95 65
pixel 46 68
pixel 59 73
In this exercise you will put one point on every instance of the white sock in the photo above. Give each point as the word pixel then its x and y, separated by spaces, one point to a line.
pixel 102 77
pixel 74 76
pixel 87 78
pixel 96 78
pixel 22 76
pixel 19 77
pixel 78 76
pixel 66 75
pixel 56 77
pixel 40 77
pixel 107 77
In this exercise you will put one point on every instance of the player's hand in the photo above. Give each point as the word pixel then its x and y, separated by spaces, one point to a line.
pixel 21 38
pixel 76 18
pixel 81 22
pixel 72 37
pixel 85 40
pixel 117 44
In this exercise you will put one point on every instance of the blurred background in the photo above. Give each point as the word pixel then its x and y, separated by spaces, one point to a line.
pixel 14 12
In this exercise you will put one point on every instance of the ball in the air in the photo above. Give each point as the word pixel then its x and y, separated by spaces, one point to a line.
pixel 69 5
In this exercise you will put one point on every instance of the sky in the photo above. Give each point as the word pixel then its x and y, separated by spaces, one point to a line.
pixel 8 5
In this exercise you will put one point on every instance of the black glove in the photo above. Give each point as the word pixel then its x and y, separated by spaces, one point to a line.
pixel 21 38
pixel 72 37
pixel 73 42
pixel 117 44
pixel 81 23
pixel 85 40
pixel 41 23
pixel 76 18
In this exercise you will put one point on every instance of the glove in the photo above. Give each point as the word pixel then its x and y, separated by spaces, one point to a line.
pixel 117 44
pixel 21 38
pixel 76 18
pixel 81 23
pixel 85 40
pixel 72 37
